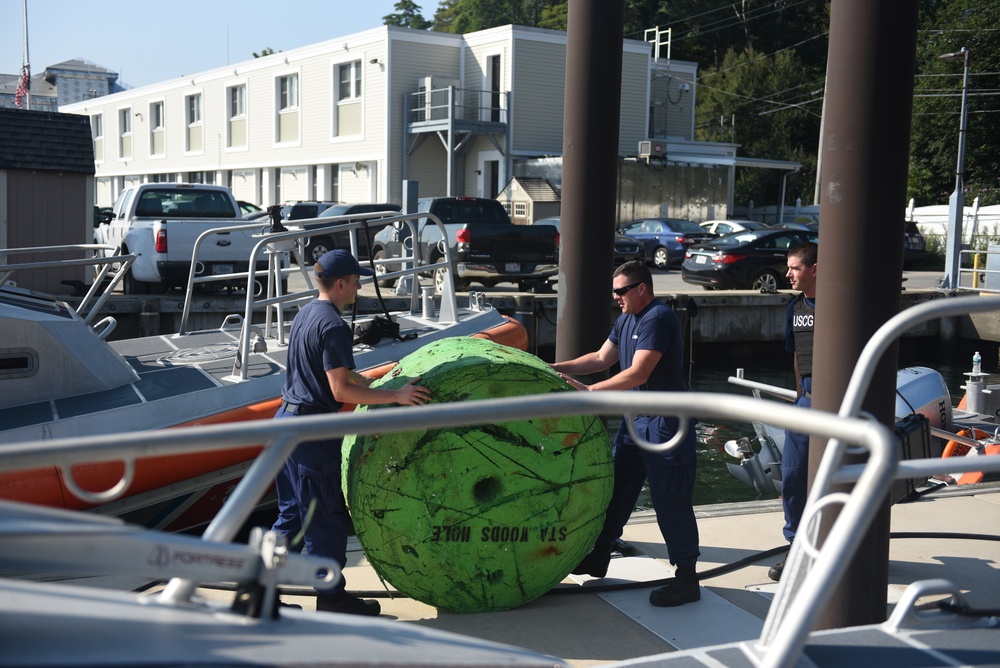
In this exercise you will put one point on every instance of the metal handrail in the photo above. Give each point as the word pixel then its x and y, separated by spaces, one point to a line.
pixel 104 263
pixel 974 273
pixel 277 243
pixel 805 584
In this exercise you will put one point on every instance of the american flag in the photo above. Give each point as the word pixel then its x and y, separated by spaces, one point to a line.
pixel 23 86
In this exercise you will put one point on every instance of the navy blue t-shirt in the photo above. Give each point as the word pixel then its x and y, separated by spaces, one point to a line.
pixel 320 340
pixel 654 328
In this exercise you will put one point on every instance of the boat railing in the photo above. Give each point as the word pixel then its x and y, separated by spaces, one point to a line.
pixel 110 267
pixel 265 291
pixel 975 272
pixel 794 611
pixel 801 595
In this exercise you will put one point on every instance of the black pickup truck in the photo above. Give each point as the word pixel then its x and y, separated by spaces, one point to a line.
pixel 486 247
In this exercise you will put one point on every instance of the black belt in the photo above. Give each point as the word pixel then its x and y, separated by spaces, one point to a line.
pixel 300 409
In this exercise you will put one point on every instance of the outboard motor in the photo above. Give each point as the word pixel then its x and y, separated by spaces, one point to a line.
pixel 923 390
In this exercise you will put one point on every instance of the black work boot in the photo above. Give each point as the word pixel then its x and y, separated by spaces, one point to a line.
pixel 345 603
pixel 595 564
pixel 774 572
pixel 683 588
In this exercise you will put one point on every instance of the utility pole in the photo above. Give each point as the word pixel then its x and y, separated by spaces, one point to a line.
pixel 956 203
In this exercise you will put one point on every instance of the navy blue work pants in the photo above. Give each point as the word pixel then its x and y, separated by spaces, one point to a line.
pixel 795 469
pixel 313 472
pixel 671 488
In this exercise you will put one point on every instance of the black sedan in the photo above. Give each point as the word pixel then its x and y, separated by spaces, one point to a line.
pixel 751 260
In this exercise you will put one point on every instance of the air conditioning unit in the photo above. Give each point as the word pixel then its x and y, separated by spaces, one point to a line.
pixel 652 149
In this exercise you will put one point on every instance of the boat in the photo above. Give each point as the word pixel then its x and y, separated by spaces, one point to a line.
pixel 927 422
pixel 179 626
pixel 64 377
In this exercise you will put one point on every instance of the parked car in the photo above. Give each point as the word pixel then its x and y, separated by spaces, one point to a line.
pixel 665 239
pixel 318 245
pixel 721 228
pixel 750 260
pixel 626 248
pixel 248 208
pixel 300 210
pixel 797 225
pixel 914 244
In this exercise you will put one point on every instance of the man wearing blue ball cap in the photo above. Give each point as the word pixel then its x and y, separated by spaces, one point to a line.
pixel 320 378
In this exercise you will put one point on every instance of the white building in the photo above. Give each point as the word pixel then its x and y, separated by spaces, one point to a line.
pixel 350 118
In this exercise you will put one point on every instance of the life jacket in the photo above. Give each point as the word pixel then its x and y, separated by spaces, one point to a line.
pixel 803 319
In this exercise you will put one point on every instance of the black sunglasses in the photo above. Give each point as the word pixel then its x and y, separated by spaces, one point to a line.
pixel 620 292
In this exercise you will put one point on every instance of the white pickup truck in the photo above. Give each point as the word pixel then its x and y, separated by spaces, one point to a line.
pixel 160 222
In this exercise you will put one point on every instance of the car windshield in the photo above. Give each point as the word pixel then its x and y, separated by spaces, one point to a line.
pixel 554 222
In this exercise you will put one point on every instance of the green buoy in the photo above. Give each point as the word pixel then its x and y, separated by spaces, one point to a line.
pixel 480 518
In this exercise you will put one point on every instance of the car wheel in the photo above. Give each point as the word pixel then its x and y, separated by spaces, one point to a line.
pixel 381 269
pixel 318 247
pixel 767 281
pixel 130 286
pixel 440 278
pixel 661 258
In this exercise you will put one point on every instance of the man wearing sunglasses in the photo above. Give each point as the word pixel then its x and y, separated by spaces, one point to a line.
pixel 646 342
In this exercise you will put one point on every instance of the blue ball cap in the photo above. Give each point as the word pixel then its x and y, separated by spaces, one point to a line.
pixel 340 262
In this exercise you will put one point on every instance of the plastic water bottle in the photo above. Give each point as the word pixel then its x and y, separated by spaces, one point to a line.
pixel 977 363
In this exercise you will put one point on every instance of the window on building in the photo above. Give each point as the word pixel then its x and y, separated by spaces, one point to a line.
pixel 157 139
pixel 195 132
pixel 347 119
pixel 194 109
pixel 236 132
pixel 288 92
pixel 349 81
pixel 125 133
pixel 97 132
pixel 238 101
pixel 520 209
pixel 156 115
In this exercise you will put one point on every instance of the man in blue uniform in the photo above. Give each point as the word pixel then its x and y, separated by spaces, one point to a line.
pixel 799 326
pixel 320 379
pixel 646 342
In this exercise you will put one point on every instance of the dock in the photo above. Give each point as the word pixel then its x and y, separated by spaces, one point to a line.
pixel 589 622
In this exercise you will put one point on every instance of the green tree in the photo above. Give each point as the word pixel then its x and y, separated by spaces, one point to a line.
pixel 462 16
pixel 407 16
pixel 771 106
pixel 946 27
pixel 266 51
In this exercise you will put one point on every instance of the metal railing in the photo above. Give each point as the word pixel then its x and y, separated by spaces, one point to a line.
pixel 812 573
pixel 103 257
pixel 268 295
pixel 975 276
pixel 450 103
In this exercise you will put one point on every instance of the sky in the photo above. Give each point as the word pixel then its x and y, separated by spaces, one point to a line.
pixel 147 42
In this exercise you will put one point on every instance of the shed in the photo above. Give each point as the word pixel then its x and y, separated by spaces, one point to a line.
pixel 529 198
pixel 46 190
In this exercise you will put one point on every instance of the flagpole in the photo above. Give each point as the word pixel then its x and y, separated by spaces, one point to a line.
pixel 27 62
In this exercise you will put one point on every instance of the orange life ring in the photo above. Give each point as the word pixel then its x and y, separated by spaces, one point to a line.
pixel 956 449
